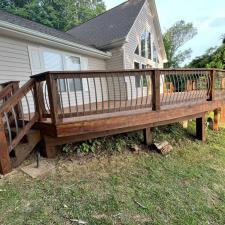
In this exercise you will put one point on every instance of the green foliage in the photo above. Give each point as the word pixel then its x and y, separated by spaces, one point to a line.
pixel 116 143
pixel 213 58
pixel 174 38
pixel 58 14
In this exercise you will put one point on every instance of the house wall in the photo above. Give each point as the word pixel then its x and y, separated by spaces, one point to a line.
pixel 116 62
pixel 15 65
pixel 144 22
pixel 15 62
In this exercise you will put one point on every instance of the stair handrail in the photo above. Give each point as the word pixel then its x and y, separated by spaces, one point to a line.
pixel 9 88
pixel 12 112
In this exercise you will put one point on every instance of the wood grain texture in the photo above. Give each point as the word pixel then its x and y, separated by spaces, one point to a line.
pixel 5 162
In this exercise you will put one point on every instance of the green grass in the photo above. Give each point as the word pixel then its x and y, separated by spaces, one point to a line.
pixel 185 187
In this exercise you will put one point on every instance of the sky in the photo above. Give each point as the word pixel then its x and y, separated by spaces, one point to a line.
pixel 208 16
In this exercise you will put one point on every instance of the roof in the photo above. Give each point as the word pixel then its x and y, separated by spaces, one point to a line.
pixel 111 26
pixel 20 21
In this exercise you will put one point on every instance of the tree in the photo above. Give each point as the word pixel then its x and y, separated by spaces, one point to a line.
pixel 223 38
pixel 213 58
pixel 58 14
pixel 174 38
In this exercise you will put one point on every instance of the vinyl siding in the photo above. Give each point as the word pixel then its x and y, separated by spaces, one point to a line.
pixel 144 22
pixel 116 61
pixel 14 60
pixel 15 65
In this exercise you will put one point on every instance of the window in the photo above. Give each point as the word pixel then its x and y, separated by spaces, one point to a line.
pixel 155 57
pixel 149 46
pixel 141 81
pixel 54 61
pixel 136 65
pixel 143 66
pixel 72 63
pixel 75 84
pixel 143 45
pixel 137 52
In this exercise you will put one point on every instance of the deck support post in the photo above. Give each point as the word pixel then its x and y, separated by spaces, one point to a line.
pixel 201 129
pixel 53 97
pixel 156 90
pixel 216 120
pixel 38 98
pixel 5 162
pixel 222 115
pixel 50 149
pixel 148 139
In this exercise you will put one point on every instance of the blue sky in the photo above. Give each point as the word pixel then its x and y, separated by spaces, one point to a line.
pixel 207 15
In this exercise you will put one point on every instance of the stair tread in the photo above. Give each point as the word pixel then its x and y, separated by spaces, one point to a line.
pixel 22 150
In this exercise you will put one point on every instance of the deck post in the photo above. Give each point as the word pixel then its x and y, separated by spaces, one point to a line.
pixel 200 128
pixel 156 90
pixel 38 98
pixel 212 85
pixel 148 139
pixel 222 115
pixel 216 120
pixel 53 97
pixel 50 149
pixel 5 162
pixel 15 88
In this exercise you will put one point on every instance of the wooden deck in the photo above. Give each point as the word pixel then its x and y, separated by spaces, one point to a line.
pixel 109 102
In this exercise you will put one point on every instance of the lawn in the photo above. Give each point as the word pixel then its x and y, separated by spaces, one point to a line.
pixel 185 187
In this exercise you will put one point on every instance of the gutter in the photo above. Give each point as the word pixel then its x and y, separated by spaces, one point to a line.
pixel 28 33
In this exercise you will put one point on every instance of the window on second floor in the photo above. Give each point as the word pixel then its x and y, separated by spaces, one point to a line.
pixel 155 55
pixel 149 46
pixel 143 45
pixel 144 49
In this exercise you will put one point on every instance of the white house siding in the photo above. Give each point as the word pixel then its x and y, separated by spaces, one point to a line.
pixel 144 22
pixel 116 62
pixel 15 65
pixel 14 60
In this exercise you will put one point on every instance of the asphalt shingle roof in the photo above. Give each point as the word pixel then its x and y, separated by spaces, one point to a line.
pixel 17 20
pixel 110 26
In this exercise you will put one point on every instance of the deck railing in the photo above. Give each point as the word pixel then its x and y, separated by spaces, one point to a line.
pixel 77 94
pixel 18 114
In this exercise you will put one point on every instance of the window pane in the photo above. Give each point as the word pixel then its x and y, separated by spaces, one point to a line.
pixel 143 40
pixel 136 66
pixel 149 46
pixel 62 85
pixel 52 61
pixel 155 57
pixel 72 63
pixel 137 50
pixel 138 81
pixel 75 84
pixel 144 81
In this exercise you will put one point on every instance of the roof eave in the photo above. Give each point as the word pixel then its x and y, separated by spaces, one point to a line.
pixel 113 44
pixel 9 28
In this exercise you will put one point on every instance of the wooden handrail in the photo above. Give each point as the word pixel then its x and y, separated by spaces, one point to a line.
pixel 42 76
pixel 17 95
pixel 8 88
